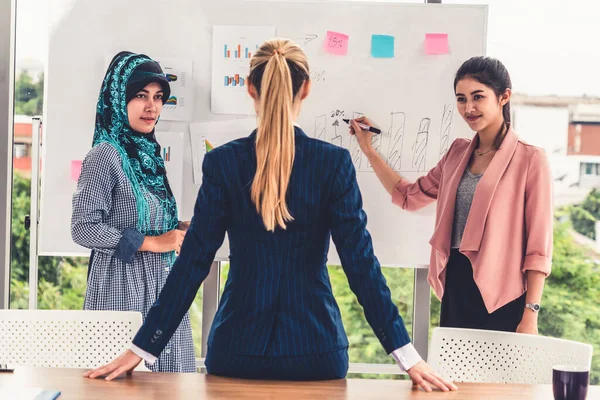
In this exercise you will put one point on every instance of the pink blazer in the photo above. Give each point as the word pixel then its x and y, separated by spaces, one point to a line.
pixel 509 228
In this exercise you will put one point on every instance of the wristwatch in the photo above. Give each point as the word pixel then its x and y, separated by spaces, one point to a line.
pixel 535 307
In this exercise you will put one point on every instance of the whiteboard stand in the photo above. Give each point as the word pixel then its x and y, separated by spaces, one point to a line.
pixel 210 302
pixel 421 312
pixel 32 220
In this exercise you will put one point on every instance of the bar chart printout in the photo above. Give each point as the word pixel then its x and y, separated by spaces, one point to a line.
pixel 238 51
pixel 234 81
pixel 233 48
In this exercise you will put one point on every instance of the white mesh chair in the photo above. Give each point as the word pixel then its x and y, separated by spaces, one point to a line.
pixel 468 355
pixel 66 339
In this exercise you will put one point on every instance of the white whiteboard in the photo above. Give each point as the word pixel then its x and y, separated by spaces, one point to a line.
pixel 412 90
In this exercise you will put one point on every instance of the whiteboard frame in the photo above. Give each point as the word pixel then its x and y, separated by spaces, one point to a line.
pixel 422 263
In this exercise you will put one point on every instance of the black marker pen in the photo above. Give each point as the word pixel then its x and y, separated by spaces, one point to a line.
pixel 364 126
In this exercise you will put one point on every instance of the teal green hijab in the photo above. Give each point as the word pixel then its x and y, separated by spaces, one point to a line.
pixel 140 152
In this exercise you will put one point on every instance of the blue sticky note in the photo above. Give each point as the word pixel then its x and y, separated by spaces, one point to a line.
pixel 382 46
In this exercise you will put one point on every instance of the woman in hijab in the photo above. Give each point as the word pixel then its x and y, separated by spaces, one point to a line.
pixel 124 209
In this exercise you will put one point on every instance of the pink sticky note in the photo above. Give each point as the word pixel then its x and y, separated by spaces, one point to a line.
pixel 436 43
pixel 75 170
pixel 336 43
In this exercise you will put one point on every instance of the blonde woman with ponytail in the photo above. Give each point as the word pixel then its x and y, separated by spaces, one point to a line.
pixel 280 196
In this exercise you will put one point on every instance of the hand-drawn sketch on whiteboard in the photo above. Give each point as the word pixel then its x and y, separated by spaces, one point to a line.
pixel 233 47
pixel 321 127
pixel 445 129
pixel 389 144
pixel 379 144
pixel 337 138
pixel 308 37
pixel 396 140
pixel 331 128
pixel 355 150
pixel 419 147
pixel 317 76
pixel 180 104
pixel 339 132
pixel 171 144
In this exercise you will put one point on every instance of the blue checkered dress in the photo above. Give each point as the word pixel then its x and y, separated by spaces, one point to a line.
pixel 120 277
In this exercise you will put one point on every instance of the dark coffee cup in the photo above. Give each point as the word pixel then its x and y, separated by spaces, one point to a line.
pixel 570 382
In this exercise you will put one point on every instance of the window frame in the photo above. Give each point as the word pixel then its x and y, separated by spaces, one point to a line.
pixel 7 69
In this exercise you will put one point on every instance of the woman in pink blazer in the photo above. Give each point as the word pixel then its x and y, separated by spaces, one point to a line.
pixel 492 244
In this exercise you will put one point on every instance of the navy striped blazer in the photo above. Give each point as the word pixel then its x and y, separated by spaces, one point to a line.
pixel 278 299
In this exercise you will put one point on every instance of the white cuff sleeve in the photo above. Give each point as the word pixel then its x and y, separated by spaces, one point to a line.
pixel 406 357
pixel 149 358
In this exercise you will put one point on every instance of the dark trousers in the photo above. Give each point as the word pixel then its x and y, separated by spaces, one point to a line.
pixel 463 307
pixel 308 367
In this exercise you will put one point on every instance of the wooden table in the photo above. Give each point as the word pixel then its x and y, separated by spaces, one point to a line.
pixel 163 386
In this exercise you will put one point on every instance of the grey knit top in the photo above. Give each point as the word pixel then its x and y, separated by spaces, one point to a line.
pixel 464 198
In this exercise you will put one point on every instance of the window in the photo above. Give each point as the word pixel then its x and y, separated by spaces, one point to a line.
pixel 20 150
pixel 588 168
pixel 591 168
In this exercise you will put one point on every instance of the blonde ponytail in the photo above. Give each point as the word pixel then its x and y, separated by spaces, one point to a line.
pixel 275 70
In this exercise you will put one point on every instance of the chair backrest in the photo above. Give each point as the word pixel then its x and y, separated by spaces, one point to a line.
pixel 66 339
pixel 468 355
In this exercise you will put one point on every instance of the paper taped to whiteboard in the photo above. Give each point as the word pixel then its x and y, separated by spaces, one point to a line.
pixel 336 43
pixel 180 104
pixel 179 72
pixel 436 43
pixel 382 46
pixel 171 144
pixel 233 47
pixel 207 135
pixel 75 169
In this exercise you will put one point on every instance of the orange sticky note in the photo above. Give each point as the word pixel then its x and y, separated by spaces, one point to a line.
pixel 436 43
pixel 336 43
pixel 75 170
